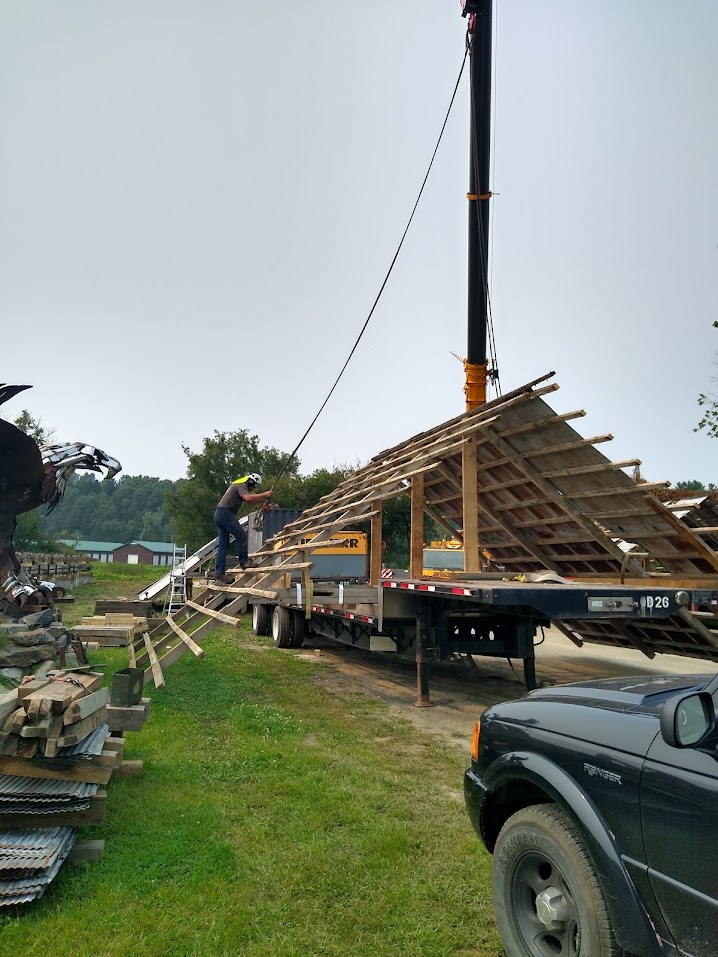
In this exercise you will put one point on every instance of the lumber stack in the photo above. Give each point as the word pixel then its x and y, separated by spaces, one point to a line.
pixel 57 749
pixel 114 629
pixel 52 713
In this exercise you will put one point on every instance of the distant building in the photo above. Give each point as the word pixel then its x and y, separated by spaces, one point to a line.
pixel 100 551
pixel 131 553
pixel 144 553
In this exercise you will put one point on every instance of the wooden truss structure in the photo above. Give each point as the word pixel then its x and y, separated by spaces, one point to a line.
pixel 523 491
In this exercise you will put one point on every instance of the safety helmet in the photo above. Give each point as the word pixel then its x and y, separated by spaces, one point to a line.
pixel 255 478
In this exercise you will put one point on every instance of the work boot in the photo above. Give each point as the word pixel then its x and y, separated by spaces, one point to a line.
pixel 225 579
pixel 248 564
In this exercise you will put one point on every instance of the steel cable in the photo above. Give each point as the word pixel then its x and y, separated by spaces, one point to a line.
pixel 386 278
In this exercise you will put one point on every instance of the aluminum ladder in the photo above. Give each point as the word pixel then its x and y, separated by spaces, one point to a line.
pixel 177 591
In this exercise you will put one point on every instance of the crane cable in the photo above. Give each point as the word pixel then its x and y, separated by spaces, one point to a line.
pixel 386 278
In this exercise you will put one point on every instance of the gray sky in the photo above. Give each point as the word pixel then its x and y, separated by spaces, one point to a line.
pixel 199 201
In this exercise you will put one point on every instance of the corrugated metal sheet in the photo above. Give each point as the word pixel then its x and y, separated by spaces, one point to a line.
pixel 13 785
pixel 29 860
pixel 89 747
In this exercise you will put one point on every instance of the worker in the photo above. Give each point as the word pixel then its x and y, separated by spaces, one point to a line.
pixel 225 518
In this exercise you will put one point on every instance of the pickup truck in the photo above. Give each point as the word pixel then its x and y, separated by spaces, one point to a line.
pixel 599 803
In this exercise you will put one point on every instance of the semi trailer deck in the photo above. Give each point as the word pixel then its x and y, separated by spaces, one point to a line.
pixel 497 618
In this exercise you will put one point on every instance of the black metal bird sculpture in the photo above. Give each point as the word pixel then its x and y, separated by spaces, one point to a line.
pixel 33 475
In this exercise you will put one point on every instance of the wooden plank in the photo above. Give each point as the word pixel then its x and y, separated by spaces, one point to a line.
pixel 130 769
pixel 627 490
pixel 220 616
pixel 85 706
pixel 469 489
pixel 311 546
pixel 47 728
pixel 86 852
pixel 191 644
pixel 156 669
pixel 586 469
pixel 105 631
pixel 129 718
pixel 88 772
pixel 95 814
pixel 8 704
pixel 14 721
pixel 283 566
pixel 30 687
pixel 416 535
pixel 74 733
pixel 569 446
pixel 237 590
pixel 115 744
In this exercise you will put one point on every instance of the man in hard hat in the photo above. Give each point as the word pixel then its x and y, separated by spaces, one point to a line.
pixel 225 518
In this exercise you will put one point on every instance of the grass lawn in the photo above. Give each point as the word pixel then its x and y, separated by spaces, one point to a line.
pixel 272 819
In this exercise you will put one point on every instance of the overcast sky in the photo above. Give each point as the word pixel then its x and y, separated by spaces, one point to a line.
pixel 199 201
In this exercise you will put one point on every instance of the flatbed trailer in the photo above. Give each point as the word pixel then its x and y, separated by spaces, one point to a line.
pixel 497 618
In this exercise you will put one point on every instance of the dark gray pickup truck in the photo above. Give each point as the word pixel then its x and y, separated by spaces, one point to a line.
pixel 599 802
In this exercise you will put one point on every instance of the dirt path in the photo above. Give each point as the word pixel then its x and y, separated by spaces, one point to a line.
pixel 460 693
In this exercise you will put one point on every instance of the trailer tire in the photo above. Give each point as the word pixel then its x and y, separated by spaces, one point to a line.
pixel 298 629
pixel 282 627
pixel 261 619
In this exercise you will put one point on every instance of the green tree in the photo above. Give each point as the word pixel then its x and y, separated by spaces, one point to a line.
pixel 224 457
pixel 30 534
pixel 34 428
pixel 693 486
pixel 709 404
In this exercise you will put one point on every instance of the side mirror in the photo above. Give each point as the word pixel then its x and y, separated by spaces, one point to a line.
pixel 686 719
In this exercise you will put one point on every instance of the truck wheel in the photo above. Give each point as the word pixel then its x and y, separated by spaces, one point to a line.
pixel 299 630
pixel 261 619
pixel 282 627
pixel 548 899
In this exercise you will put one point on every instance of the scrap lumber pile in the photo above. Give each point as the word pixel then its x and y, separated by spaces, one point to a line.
pixel 55 752
pixel 114 629
pixel 52 713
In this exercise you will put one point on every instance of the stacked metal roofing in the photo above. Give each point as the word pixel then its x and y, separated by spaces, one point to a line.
pixel 20 795
pixel 29 860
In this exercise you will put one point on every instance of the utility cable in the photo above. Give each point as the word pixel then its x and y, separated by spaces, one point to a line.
pixel 386 278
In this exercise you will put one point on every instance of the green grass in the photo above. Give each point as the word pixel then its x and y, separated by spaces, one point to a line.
pixel 273 819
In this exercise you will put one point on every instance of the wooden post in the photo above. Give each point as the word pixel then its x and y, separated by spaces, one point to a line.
pixel 423 641
pixel 470 496
pixel 416 546
pixel 376 544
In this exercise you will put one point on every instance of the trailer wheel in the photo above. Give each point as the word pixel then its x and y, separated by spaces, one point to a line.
pixel 299 629
pixel 282 627
pixel 261 619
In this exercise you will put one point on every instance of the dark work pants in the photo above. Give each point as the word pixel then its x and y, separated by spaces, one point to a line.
pixel 227 524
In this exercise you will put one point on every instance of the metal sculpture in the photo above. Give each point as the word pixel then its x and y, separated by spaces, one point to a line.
pixel 32 475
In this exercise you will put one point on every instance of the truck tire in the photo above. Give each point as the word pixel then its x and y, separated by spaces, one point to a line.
pixel 261 619
pixel 282 627
pixel 547 895
pixel 299 629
